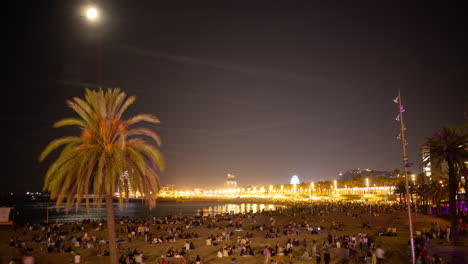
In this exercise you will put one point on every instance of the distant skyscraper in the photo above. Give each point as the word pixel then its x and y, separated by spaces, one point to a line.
pixel 231 181
pixel 426 155
pixel 433 167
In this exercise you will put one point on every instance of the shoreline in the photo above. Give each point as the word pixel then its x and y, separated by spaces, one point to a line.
pixel 11 201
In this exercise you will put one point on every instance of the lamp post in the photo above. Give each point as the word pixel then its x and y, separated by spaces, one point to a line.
pixel 93 16
pixel 406 164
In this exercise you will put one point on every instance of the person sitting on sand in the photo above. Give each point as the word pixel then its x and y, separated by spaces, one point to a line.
pixel 12 242
pixel 68 250
pixel 184 260
pixel 305 255
pixel 139 258
pixel 122 259
pixel 289 252
pixel 162 261
pixel 248 252
pixel 225 251
pixel 170 253
pixel 280 254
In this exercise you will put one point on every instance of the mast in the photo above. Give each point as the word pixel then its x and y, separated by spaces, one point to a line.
pixel 405 168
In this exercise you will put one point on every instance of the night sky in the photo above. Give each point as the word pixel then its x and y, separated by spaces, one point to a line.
pixel 264 93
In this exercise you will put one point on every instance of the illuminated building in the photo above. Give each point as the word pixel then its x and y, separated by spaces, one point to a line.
pixel 432 167
pixel 230 183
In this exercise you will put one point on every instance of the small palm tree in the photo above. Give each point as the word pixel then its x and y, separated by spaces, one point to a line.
pixel 449 145
pixel 438 190
pixel 108 154
pixel 400 189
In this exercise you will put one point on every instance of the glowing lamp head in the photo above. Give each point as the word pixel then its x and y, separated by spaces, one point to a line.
pixel 92 13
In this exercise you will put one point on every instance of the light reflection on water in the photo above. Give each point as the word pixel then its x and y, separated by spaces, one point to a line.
pixel 237 208
pixel 37 212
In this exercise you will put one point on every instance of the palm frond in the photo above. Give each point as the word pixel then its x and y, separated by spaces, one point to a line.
pixel 146 132
pixel 125 105
pixel 69 122
pixel 56 144
pixel 143 118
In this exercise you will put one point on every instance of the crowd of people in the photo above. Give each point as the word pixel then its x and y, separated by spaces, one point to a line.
pixel 305 236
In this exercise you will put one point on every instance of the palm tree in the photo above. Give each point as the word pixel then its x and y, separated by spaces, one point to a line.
pixel 438 191
pixel 357 180
pixel 400 189
pixel 449 145
pixel 108 154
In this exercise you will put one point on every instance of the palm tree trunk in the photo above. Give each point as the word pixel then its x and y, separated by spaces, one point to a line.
pixel 453 189
pixel 111 229
pixel 424 206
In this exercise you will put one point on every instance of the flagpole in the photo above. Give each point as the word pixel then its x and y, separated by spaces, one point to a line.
pixel 405 164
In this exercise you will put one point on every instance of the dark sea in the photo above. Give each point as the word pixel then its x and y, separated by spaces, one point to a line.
pixel 34 211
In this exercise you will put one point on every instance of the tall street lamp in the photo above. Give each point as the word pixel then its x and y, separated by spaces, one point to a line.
pixel 93 16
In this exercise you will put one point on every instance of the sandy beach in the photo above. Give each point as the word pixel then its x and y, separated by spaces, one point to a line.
pixel 348 223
